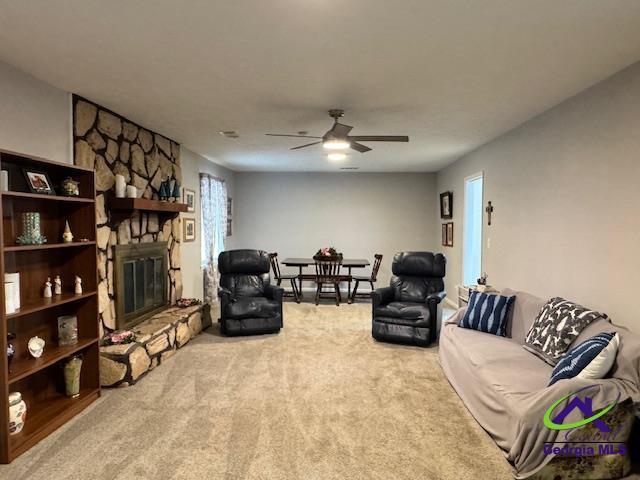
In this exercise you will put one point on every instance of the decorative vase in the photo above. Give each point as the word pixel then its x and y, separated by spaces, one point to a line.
pixel 72 376
pixel 31 234
pixel 121 186
pixel 70 187
pixel 67 330
pixel 17 413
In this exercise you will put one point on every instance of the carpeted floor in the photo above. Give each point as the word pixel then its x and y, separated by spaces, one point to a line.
pixel 321 400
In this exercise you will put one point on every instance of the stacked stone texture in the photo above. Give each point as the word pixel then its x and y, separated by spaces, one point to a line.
pixel 157 339
pixel 111 144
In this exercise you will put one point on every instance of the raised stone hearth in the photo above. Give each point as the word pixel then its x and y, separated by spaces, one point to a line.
pixel 157 339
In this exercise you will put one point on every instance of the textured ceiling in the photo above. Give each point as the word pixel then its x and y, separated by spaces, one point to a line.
pixel 450 74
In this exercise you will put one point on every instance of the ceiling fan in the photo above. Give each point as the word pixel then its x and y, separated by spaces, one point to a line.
pixel 338 138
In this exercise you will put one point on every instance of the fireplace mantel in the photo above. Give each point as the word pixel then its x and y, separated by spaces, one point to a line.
pixel 122 208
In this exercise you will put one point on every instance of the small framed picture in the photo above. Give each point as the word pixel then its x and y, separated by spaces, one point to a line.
pixel 446 205
pixel 38 182
pixel 189 234
pixel 444 235
pixel 189 197
pixel 229 227
pixel 450 234
pixel 229 207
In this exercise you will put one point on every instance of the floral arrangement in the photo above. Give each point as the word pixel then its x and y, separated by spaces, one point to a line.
pixel 187 302
pixel 326 252
pixel 119 338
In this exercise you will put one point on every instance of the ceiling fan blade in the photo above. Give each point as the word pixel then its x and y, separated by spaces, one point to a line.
pixel 340 130
pixel 294 136
pixel 359 147
pixel 380 138
pixel 303 146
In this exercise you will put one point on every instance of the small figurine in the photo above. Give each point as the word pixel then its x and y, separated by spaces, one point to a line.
pixel 57 285
pixel 176 191
pixel 36 346
pixel 70 187
pixel 67 236
pixel 165 190
pixel 11 350
pixel 78 285
pixel 47 288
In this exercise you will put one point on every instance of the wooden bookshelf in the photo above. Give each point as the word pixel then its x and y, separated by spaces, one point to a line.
pixel 40 381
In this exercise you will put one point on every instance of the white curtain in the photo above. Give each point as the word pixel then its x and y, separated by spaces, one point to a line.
pixel 213 199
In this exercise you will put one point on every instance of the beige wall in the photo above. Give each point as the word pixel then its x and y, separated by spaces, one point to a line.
pixel 566 191
pixel 359 213
pixel 192 165
pixel 35 118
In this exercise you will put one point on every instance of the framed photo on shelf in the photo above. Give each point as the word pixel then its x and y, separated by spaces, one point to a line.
pixel 450 234
pixel 189 197
pixel 38 182
pixel 189 234
pixel 446 205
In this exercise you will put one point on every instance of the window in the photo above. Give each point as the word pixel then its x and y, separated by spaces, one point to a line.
pixel 472 230
pixel 213 228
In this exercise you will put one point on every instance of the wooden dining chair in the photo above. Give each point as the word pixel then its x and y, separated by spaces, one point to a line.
pixel 371 279
pixel 275 266
pixel 328 274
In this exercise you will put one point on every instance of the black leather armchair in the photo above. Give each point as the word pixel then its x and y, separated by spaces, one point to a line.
pixel 407 311
pixel 249 304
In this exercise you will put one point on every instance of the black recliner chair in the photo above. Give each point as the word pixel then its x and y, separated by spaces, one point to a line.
pixel 407 311
pixel 249 304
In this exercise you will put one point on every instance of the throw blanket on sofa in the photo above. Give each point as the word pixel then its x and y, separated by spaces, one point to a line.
pixel 505 387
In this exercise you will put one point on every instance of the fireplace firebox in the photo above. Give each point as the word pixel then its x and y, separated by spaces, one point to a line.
pixel 141 282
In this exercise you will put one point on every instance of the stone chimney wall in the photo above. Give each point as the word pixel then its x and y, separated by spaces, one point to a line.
pixel 112 144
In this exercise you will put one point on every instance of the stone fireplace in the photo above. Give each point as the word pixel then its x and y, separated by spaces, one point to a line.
pixel 111 144
pixel 141 286
pixel 139 269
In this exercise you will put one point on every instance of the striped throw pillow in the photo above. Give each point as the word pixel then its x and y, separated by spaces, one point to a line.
pixel 592 359
pixel 487 313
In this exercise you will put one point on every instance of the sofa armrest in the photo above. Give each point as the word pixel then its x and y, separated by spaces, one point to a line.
pixel 273 292
pixel 382 296
pixel 436 298
pixel 456 317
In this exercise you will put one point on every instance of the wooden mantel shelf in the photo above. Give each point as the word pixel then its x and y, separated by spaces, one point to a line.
pixel 146 205
pixel 124 207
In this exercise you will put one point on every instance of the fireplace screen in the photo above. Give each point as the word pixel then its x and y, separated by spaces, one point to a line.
pixel 141 282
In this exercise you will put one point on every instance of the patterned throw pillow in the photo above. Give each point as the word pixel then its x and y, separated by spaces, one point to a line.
pixel 557 325
pixel 487 313
pixel 592 359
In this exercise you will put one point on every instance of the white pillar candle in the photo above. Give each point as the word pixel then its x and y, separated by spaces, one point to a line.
pixel 132 191
pixel 121 184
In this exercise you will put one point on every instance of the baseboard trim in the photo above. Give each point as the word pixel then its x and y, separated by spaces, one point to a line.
pixel 451 303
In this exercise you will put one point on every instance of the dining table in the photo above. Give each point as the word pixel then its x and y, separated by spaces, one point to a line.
pixel 301 263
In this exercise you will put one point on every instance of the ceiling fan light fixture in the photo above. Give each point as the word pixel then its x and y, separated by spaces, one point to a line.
pixel 337 156
pixel 335 144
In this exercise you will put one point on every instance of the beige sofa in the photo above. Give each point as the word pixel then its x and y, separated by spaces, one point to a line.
pixel 505 389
